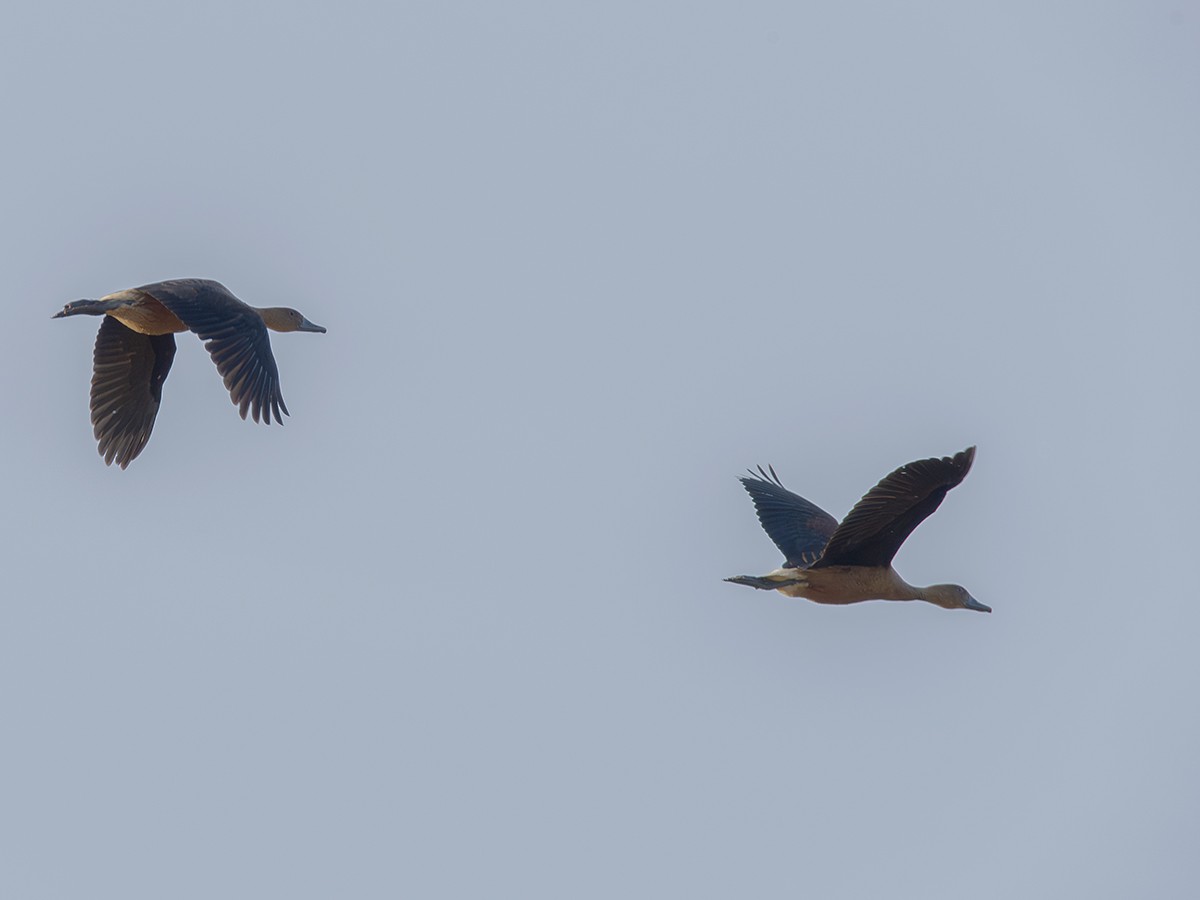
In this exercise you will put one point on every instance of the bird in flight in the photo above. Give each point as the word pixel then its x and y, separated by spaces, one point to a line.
pixel 848 563
pixel 136 345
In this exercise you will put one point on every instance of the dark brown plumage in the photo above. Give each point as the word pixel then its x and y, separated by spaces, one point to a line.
pixel 128 371
pixel 887 514
pixel 800 529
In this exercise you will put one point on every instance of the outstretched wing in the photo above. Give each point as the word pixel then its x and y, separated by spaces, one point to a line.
pixel 128 372
pixel 235 337
pixel 799 529
pixel 887 514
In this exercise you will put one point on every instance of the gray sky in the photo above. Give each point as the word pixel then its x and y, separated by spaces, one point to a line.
pixel 458 629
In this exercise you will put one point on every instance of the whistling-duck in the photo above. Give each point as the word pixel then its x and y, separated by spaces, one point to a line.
pixel 136 345
pixel 851 562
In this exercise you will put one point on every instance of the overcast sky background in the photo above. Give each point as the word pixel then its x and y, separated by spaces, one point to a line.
pixel 458 629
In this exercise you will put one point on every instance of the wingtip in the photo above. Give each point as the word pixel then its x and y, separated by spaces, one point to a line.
pixel 761 476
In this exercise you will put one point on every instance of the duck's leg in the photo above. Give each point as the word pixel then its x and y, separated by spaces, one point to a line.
pixel 766 582
pixel 89 308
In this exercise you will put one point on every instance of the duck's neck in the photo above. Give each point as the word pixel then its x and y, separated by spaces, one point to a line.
pixel 896 588
pixel 273 317
pixel 935 594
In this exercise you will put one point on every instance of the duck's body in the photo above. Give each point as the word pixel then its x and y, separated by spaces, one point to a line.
pixel 136 346
pixel 852 562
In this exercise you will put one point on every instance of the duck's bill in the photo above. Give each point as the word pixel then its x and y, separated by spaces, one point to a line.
pixel 306 325
pixel 974 604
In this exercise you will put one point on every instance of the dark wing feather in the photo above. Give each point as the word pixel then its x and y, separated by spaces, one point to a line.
pixel 128 372
pixel 235 337
pixel 799 529
pixel 887 514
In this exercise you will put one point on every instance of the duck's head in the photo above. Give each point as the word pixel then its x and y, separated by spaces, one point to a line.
pixel 283 318
pixel 952 596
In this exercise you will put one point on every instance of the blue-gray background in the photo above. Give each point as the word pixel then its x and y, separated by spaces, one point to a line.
pixel 458 629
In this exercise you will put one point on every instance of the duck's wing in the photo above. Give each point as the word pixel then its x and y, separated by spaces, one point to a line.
pixel 128 371
pixel 887 514
pixel 235 337
pixel 799 529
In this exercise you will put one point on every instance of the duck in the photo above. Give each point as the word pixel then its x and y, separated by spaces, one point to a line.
pixel 135 347
pixel 851 562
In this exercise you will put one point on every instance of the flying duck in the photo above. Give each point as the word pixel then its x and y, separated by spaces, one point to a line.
pixel 136 344
pixel 851 562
